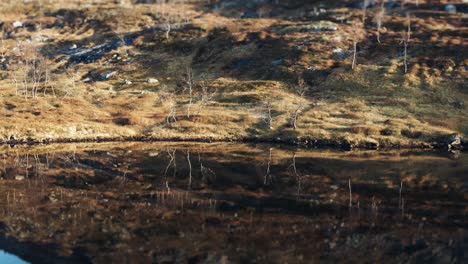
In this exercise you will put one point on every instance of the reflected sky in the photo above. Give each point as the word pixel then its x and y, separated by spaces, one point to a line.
pixel 6 258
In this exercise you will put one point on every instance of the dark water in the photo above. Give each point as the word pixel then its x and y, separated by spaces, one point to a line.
pixel 231 203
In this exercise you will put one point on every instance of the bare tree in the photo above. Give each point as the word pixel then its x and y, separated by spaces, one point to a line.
pixel 357 31
pixel 171 116
pixel 379 18
pixel 31 71
pixel 268 117
pixel 365 4
pixel 168 97
pixel 189 84
pixel 205 94
pixel 406 41
pixel 168 18
pixel 2 47
pixel 300 89
pixel 70 88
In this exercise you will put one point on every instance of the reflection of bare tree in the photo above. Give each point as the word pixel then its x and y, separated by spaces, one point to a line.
pixel 172 155
pixel 267 178
pixel 296 174
pixel 206 172
pixel 401 201
pixel 374 206
pixel 350 193
pixel 190 169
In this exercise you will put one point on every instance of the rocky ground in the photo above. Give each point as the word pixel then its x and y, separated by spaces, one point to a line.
pixel 227 70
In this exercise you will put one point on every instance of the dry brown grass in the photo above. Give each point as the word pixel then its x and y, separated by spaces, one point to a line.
pixel 374 103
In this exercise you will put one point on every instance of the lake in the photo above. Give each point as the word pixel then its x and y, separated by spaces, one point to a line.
pixel 230 203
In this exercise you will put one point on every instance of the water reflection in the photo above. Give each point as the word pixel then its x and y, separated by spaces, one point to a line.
pixel 6 258
pixel 141 202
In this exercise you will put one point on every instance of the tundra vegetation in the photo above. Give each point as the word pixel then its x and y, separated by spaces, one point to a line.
pixel 198 69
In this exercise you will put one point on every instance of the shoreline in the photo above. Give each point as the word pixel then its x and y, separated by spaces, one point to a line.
pixel 302 142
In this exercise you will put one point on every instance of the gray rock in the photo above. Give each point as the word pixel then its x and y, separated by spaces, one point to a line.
pixel 88 55
pixel 108 75
pixel 277 62
pixel 152 80
pixel 340 53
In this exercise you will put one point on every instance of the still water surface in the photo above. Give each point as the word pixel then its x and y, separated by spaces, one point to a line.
pixel 214 203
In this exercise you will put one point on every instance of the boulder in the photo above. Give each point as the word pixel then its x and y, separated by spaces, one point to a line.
pixel 449 142
pixel 458 104
pixel 76 54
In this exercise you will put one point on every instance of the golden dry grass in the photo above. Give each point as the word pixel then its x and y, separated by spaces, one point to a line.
pixel 374 103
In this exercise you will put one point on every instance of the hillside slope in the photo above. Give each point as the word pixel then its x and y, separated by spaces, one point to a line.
pixel 227 70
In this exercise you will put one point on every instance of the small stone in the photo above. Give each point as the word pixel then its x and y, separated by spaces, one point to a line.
pixel 19 177
pixel 108 75
pixel 340 53
pixel 17 24
pixel 152 80
pixel 128 82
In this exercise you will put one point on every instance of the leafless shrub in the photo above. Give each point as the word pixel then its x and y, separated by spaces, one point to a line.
pixel 205 94
pixel 31 72
pixel 168 96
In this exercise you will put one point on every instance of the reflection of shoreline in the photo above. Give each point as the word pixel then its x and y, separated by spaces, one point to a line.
pixel 220 146
pixel 298 142
pixel 6 257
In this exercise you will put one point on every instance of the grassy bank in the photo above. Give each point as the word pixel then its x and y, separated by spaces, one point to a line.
pixel 284 76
